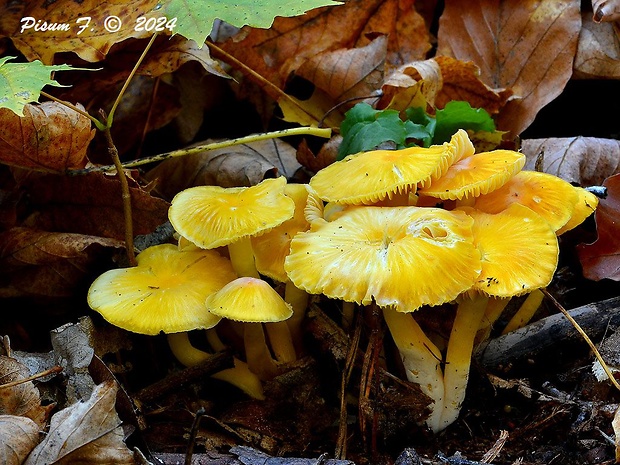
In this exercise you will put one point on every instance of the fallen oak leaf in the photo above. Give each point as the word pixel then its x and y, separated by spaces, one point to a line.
pixel 49 137
pixel 85 432
pixel 18 436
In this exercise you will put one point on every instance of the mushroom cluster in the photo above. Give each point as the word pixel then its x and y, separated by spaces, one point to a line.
pixel 419 227
pixel 400 229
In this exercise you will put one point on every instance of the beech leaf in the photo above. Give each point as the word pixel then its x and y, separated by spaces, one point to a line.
pixel 85 432
pixel 18 436
pixel 195 19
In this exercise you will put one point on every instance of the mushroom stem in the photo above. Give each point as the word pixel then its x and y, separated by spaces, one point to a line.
pixel 281 341
pixel 298 300
pixel 257 353
pixel 469 314
pixel 525 312
pixel 495 307
pixel 242 258
pixel 421 359
pixel 239 375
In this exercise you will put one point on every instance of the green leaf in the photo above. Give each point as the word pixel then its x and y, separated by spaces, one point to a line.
pixel 21 83
pixel 194 18
pixel 460 115
pixel 365 128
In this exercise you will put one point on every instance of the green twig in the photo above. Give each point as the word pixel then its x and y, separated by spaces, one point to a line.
pixel 311 131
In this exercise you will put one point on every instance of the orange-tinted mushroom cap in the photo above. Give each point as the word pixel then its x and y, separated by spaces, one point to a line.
pixel 165 292
pixel 585 206
pixel 518 249
pixel 249 300
pixel 213 216
pixel 551 197
pixel 368 177
pixel 271 248
pixel 404 257
pixel 476 174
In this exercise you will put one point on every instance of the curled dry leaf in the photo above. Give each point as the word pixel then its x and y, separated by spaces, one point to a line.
pixel 49 264
pixel 527 46
pixel 598 51
pixel 606 10
pixel 49 137
pixel 85 432
pixel 414 84
pixel 583 160
pixel 241 165
pixel 601 259
pixel 23 399
pixel 616 426
pixel 18 436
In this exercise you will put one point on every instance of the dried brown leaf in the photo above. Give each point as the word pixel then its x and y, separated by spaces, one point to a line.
pixel 615 424
pixel 414 84
pixel 598 51
pixel 22 399
pixel 89 40
pixel 276 52
pixel 347 73
pixel 583 160
pixel 49 137
pixel 49 264
pixel 601 259
pixel 241 165
pixel 85 432
pixel 92 205
pixel 527 46
pixel 18 436
pixel 462 81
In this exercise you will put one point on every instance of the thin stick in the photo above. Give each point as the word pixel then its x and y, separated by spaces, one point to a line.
pixel 125 194
pixel 318 132
pixel 97 123
pixel 49 371
pixel 585 337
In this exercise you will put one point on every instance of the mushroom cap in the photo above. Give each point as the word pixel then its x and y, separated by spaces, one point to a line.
pixel 271 248
pixel 476 174
pixel 551 197
pixel 213 216
pixel 166 291
pixel 518 249
pixel 249 300
pixel 585 206
pixel 404 257
pixel 369 177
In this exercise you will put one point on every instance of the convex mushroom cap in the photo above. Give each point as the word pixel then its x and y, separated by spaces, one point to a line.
pixel 404 257
pixel 165 292
pixel 519 251
pixel 213 216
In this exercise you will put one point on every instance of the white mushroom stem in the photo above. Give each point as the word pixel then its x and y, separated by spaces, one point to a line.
pixel 239 375
pixel 469 314
pixel 242 258
pixel 525 312
pixel 421 359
